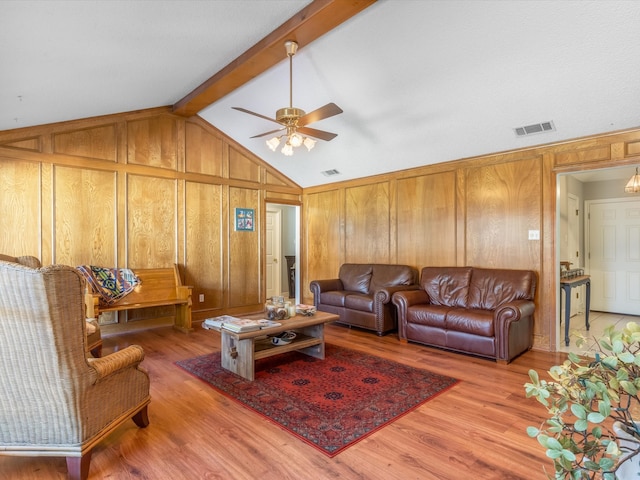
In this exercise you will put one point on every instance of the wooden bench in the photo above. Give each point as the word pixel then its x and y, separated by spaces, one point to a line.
pixel 158 287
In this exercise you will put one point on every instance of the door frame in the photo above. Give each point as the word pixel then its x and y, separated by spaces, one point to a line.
pixel 297 241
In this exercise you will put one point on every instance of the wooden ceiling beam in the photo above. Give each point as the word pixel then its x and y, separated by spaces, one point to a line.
pixel 310 23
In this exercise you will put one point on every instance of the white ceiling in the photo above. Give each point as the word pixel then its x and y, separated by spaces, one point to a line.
pixel 420 82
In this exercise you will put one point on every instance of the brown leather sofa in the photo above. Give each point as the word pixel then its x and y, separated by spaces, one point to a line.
pixel 362 294
pixel 485 312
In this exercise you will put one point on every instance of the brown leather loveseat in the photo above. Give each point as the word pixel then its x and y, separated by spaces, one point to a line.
pixel 485 312
pixel 362 294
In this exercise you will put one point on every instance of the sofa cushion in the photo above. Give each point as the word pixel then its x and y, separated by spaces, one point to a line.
pixel 334 298
pixel 356 277
pixel 391 276
pixel 431 315
pixel 364 303
pixel 447 286
pixel 476 322
pixel 489 289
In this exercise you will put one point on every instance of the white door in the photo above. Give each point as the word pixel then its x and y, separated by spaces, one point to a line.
pixel 273 254
pixel 614 255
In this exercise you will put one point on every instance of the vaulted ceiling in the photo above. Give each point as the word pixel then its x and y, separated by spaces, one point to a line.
pixel 420 82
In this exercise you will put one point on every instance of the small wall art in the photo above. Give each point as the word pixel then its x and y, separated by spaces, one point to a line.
pixel 244 219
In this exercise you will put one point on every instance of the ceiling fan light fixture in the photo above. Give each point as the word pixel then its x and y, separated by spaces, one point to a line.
pixel 287 149
pixel 273 143
pixel 633 186
pixel 309 143
pixel 295 139
pixel 292 118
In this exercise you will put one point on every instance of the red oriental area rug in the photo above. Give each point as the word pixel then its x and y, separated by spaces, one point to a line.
pixel 330 404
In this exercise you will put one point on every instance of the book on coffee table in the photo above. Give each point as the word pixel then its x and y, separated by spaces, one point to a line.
pixel 237 325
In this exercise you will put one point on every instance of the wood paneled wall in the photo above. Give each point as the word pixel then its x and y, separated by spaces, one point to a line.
pixel 476 211
pixel 149 189
pixel 141 190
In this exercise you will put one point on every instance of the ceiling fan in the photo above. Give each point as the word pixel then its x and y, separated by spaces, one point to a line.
pixel 294 120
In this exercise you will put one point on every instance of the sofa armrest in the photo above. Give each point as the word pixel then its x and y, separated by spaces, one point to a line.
pixel 384 294
pixel 403 300
pixel 406 298
pixel 129 357
pixel 507 319
pixel 319 286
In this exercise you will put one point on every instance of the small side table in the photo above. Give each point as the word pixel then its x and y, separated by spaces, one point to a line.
pixel 567 284
pixel 291 274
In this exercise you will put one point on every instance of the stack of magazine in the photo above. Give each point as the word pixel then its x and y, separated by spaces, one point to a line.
pixel 238 325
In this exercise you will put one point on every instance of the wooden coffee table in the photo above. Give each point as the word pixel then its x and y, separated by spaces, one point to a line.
pixel 239 351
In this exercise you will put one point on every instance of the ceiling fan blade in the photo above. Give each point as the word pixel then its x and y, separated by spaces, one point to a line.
pixel 329 110
pixel 268 133
pixel 256 114
pixel 312 132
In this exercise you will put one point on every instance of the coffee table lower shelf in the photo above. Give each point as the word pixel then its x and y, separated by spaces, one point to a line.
pixel 264 348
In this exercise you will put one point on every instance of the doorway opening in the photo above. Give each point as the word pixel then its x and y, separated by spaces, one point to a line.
pixel 578 233
pixel 282 251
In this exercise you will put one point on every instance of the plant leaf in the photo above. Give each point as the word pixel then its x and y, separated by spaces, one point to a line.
pixel 581 425
pixel 533 431
pixel 533 375
pixel 595 417
pixel 629 388
pixel 579 411
pixel 627 357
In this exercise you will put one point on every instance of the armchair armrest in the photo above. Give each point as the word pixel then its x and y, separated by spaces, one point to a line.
pixel 129 357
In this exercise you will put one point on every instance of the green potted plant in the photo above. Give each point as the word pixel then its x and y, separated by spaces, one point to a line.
pixel 590 432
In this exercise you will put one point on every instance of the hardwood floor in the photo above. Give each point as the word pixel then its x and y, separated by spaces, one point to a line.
pixel 476 430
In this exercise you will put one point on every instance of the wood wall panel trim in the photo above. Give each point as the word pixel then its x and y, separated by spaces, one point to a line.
pixel 45 215
pixel 426 220
pixel 153 142
pixel 460 212
pixel 323 237
pixel 204 244
pixel 241 167
pixel 367 226
pixel 151 222
pixel 22 213
pixel 280 197
pixel 203 150
pixel 76 193
pixel 99 142
pixel 632 149
pixel 503 203
pixel 547 291
pixel 587 155
pixel 31 144
pixel 244 251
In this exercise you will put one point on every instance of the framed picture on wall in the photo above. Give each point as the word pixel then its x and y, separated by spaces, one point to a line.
pixel 244 219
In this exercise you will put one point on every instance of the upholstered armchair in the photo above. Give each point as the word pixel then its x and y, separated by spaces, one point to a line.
pixel 54 399
pixel 94 337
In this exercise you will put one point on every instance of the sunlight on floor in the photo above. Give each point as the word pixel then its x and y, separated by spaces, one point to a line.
pixel 598 322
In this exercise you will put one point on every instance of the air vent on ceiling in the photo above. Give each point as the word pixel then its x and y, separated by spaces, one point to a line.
pixel 534 129
pixel 329 173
